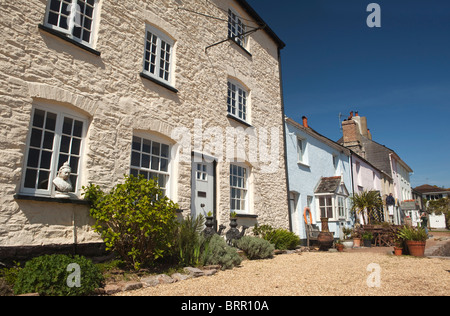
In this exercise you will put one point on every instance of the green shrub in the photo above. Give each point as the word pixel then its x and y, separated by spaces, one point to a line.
pixel 217 252
pixel 49 276
pixel 281 238
pixel 135 220
pixel 190 242
pixel 255 248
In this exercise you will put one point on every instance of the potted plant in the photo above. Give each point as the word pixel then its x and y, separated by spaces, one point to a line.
pixel 398 248
pixel 339 246
pixel 356 239
pixel 348 241
pixel 367 239
pixel 416 240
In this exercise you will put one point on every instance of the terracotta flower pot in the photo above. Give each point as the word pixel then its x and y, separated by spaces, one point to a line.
pixel 416 248
pixel 356 242
pixel 398 251
pixel 340 247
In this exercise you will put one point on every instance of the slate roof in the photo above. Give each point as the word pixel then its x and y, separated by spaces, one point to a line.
pixel 426 188
pixel 328 185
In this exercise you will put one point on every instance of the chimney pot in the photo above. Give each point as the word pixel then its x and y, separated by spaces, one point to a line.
pixel 357 113
pixel 305 121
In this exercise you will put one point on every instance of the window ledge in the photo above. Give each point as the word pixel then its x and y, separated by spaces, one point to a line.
pixel 158 82
pixel 22 197
pixel 242 215
pixel 239 46
pixel 230 116
pixel 68 39
pixel 303 164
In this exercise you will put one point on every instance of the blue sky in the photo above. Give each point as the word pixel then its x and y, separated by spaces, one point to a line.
pixel 398 76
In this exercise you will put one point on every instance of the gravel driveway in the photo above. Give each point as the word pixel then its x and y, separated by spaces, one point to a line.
pixel 317 274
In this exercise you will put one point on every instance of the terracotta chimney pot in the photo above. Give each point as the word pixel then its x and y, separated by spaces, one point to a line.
pixel 305 121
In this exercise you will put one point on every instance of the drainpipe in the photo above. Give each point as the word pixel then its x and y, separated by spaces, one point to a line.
pixel 285 141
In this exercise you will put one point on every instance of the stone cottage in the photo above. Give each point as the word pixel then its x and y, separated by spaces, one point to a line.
pixel 187 92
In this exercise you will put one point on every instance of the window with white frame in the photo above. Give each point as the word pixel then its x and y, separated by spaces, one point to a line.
pixel 237 101
pixel 158 55
pixel 202 172
pixel 151 159
pixel 75 18
pixel 326 206
pixel 55 138
pixel 332 206
pixel 341 207
pixel 236 28
pixel 238 188
pixel 301 150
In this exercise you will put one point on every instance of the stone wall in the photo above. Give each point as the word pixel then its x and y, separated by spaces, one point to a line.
pixel 36 66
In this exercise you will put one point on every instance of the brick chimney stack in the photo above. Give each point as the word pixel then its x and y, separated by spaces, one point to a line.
pixel 352 133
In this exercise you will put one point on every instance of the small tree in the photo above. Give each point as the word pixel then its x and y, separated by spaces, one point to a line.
pixel 369 204
pixel 135 220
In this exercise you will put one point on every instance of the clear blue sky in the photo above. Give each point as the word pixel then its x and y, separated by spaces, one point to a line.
pixel 398 76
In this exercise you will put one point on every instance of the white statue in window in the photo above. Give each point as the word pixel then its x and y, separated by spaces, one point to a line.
pixel 62 182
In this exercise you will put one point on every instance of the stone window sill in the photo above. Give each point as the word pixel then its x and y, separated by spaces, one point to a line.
pixel 22 197
pixel 68 39
pixel 162 84
pixel 239 120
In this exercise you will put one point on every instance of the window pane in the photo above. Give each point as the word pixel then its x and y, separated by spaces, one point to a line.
pixel 155 163
pixel 136 143
pixel 78 129
pixel 74 164
pixel 164 165
pixel 36 138
pixel 67 127
pixel 43 180
pixel 145 161
pixel 33 158
pixel 48 140
pixel 65 144
pixel 135 159
pixel 50 123
pixel 30 179
pixel 46 159
pixel 164 151
pixel 38 119
pixel 76 145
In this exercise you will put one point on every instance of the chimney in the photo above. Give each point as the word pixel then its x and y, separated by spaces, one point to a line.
pixel 351 132
pixel 351 116
pixel 305 122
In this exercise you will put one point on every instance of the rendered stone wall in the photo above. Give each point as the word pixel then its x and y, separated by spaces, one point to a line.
pixel 36 66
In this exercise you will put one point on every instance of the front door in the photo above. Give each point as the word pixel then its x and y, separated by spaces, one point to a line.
pixel 202 188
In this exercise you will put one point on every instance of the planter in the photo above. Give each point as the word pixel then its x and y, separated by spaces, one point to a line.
pixel 348 244
pixel 416 248
pixel 340 247
pixel 398 251
pixel 367 243
pixel 356 242
pixel 325 238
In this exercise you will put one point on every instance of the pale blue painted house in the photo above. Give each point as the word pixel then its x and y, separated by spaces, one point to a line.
pixel 320 179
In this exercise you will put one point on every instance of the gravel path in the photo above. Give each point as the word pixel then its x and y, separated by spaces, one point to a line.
pixel 317 274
